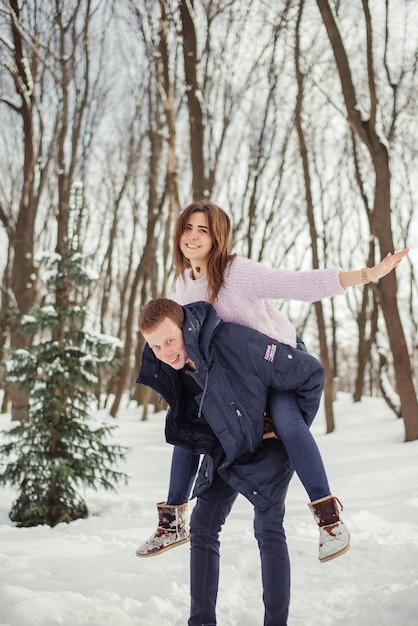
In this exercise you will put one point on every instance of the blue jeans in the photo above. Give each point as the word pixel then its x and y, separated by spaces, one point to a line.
pixel 300 445
pixel 292 429
pixel 182 475
pixel 207 519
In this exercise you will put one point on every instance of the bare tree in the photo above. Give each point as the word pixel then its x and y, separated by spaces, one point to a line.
pixel 162 184
pixel 367 132
pixel 173 104
pixel 194 99
pixel 22 67
pixel 146 271
pixel 49 92
pixel 323 344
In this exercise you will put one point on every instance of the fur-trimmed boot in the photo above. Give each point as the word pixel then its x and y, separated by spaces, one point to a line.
pixel 172 530
pixel 334 536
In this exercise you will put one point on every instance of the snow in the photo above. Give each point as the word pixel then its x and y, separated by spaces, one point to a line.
pixel 86 572
pixel 27 319
pixel 49 311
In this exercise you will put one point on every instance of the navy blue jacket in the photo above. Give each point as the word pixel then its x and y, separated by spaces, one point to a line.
pixel 225 421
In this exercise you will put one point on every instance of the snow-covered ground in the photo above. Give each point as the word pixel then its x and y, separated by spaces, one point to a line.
pixel 86 572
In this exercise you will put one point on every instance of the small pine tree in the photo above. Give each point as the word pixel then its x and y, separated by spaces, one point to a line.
pixel 59 447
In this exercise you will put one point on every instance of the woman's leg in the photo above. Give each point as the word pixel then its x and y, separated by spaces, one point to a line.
pixel 182 475
pixel 173 522
pixel 291 427
pixel 208 517
pixel 301 447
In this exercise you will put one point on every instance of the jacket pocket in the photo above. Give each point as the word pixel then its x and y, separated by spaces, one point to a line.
pixel 241 420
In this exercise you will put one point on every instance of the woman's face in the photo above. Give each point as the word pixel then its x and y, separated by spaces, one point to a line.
pixel 196 240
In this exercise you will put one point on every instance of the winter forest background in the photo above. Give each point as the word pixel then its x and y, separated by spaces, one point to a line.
pixel 298 117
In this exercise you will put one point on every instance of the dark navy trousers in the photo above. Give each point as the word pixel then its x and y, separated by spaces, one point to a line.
pixel 208 516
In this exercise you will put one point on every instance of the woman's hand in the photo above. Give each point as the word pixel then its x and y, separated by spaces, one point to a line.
pixel 386 265
pixel 368 274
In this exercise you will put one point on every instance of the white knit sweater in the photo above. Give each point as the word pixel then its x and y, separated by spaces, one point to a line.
pixel 248 287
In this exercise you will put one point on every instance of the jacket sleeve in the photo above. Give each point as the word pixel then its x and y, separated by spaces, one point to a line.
pixel 288 369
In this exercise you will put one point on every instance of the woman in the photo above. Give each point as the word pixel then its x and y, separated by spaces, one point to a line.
pixel 240 290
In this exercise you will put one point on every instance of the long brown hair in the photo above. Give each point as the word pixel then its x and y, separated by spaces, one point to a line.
pixel 220 255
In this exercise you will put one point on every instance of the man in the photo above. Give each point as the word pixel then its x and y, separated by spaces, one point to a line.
pixel 215 377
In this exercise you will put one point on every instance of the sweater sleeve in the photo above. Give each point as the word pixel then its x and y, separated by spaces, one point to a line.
pixel 260 282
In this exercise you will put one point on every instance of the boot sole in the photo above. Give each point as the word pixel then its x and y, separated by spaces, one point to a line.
pixel 336 554
pixel 161 550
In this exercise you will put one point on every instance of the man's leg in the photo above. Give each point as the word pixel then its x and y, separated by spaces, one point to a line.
pixel 208 517
pixel 275 563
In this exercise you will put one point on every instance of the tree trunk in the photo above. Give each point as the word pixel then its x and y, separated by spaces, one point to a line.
pixel 163 69
pixel 324 353
pixel 362 347
pixel 194 94
pixel 147 268
pixel 22 241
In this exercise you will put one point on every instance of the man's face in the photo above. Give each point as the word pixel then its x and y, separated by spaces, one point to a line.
pixel 167 343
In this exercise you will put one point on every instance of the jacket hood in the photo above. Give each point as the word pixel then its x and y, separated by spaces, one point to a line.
pixel 199 326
